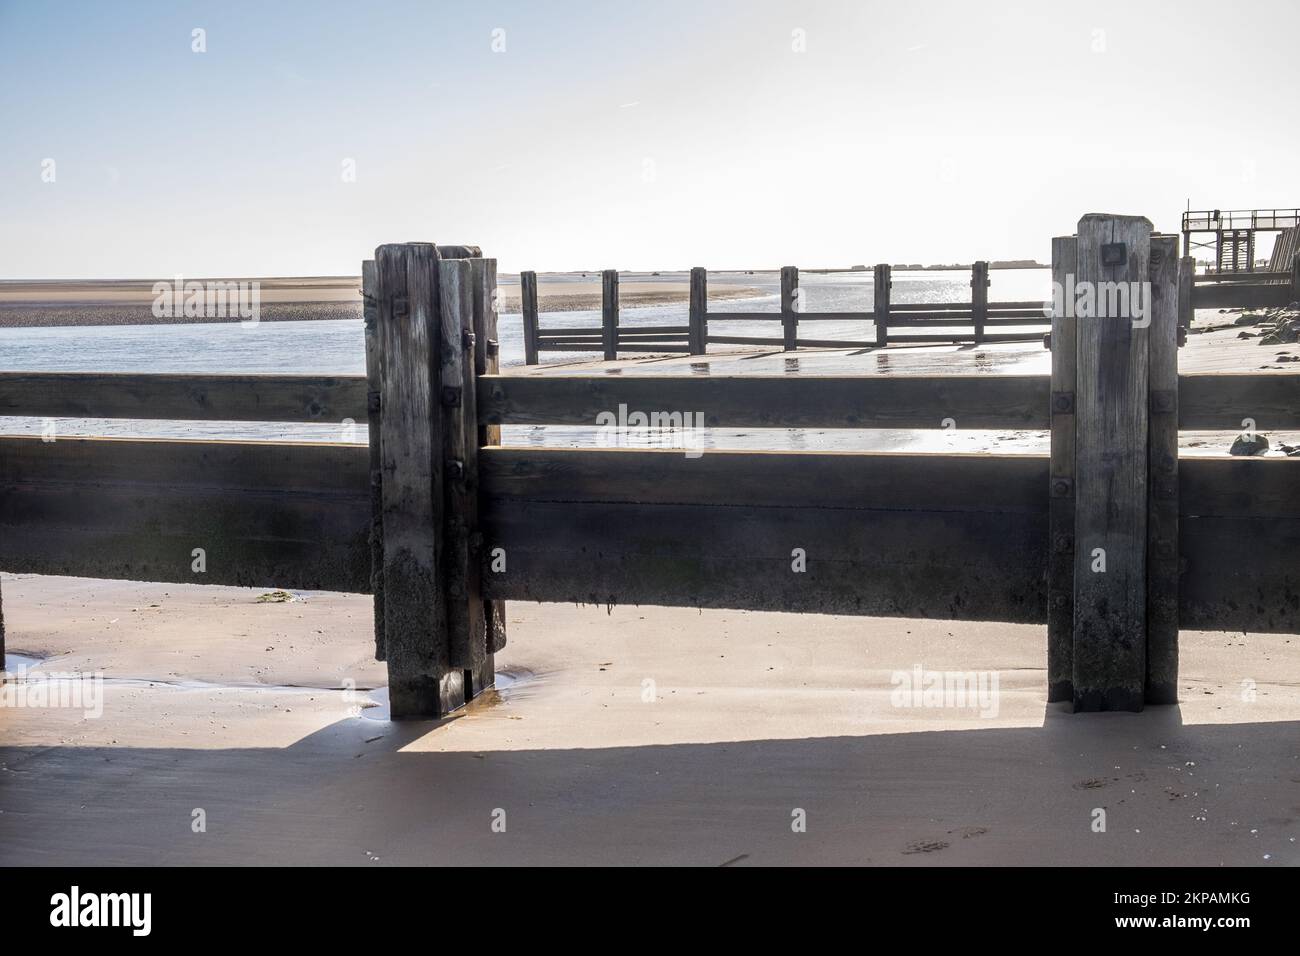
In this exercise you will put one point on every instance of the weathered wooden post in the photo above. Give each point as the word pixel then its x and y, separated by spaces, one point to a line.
pixel 465 640
pixel 1114 401
pixel 1060 516
pixel 1162 475
pixel 374 382
pixel 528 307
pixel 1186 282
pixel 436 633
pixel 487 360
pixel 421 682
pixel 979 297
pixel 789 313
pixel 609 313
pixel 880 298
pixel 1111 416
pixel 699 311
pixel 1295 277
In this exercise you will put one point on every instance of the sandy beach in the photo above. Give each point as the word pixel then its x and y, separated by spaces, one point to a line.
pixel 215 701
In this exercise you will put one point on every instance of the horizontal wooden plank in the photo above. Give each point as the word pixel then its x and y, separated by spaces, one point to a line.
pixel 577 330
pixel 636 340
pixel 1238 540
pixel 937 338
pixel 236 398
pixel 623 330
pixel 973 401
pixel 980 566
pixel 930 320
pixel 945 536
pixel 1221 277
pixel 1014 336
pixel 929 307
pixel 656 347
pixel 865 317
pixel 744 340
pixel 1024 304
pixel 1034 315
pixel 1240 487
pixel 845 480
pixel 1229 295
pixel 835 343
pixel 1223 402
pixel 744 317
pixel 269 515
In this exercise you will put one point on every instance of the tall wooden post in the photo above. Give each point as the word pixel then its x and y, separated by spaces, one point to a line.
pixel 1186 282
pixel 880 298
pixel 374 382
pixel 979 297
pixel 421 680
pixel 465 642
pixel 699 311
pixel 1295 277
pixel 528 306
pixel 1113 513
pixel 1162 475
pixel 1110 516
pixel 1060 556
pixel 609 313
pixel 487 361
pixel 789 313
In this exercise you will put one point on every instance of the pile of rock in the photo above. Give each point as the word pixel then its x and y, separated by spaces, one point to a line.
pixel 1280 326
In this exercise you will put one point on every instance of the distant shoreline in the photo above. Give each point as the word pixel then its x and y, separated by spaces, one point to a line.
pixel 81 303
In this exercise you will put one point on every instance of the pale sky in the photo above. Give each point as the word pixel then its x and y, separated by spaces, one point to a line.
pixel 648 135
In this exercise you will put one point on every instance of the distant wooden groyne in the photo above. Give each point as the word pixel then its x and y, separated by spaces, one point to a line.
pixel 932 322
pixel 1113 541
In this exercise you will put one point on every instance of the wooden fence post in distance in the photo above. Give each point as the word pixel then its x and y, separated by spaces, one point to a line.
pixel 528 307
pixel 609 313
pixel 979 297
pixel 789 307
pixel 880 298
pixel 699 311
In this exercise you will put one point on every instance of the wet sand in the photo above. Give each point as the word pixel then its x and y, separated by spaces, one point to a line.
pixel 215 701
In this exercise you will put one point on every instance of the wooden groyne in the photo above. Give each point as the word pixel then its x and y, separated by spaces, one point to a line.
pixel 934 322
pixel 1112 541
